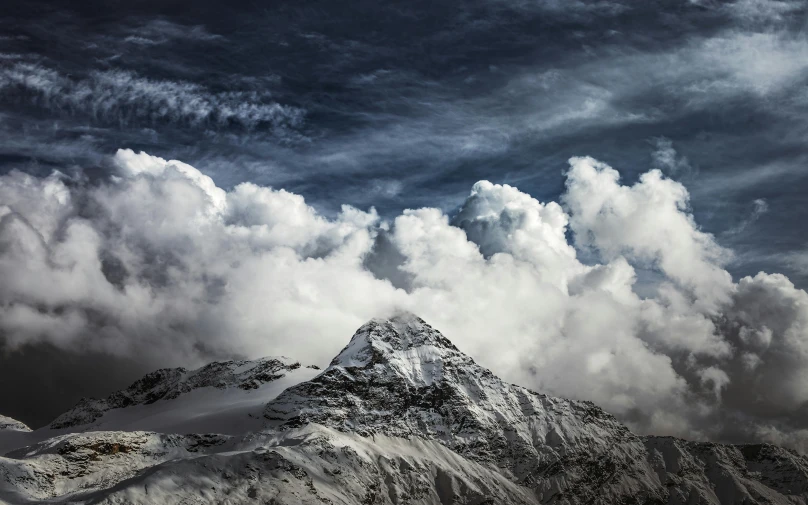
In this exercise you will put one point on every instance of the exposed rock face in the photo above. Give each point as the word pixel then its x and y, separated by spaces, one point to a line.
pixel 69 465
pixel 402 378
pixel 7 423
pixel 716 473
pixel 401 416
pixel 170 383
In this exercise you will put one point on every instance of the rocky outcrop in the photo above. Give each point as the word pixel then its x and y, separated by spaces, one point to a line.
pixel 402 378
pixel 170 383
pixel 400 416
pixel 9 424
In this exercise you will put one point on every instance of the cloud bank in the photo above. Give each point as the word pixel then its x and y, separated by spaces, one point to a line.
pixel 158 261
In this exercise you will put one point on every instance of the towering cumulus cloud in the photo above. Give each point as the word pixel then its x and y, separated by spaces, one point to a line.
pixel 158 260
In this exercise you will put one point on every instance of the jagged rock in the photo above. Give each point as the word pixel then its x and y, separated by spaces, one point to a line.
pixel 401 416
pixel 9 424
pixel 170 383
pixel 402 378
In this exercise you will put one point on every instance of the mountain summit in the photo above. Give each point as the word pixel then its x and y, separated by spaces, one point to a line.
pixel 400 416
pixel 388 341
pixel 401 378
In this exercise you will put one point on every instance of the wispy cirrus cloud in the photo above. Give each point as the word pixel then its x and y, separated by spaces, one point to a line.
pixel 123 97
pixel 759 207
pixel 757 11
pixel 162 31
pixel 666 158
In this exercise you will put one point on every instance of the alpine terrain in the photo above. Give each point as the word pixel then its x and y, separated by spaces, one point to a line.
pixel 400 416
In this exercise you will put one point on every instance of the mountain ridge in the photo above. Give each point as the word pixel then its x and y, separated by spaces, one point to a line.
pixel 400 416
pixel 400 377
pixel 170 383
pixel 11 424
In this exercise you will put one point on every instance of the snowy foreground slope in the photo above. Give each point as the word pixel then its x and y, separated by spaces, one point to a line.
pixel 400 416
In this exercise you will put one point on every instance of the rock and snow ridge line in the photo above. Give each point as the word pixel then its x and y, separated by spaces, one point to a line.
pixel 10 424
pixel 222 397
pixel 400 416
pixel 170 383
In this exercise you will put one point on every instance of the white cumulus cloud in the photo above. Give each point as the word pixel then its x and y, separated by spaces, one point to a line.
pixel 159 261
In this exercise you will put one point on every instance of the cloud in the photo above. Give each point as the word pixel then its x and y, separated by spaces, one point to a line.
pixel 759 207
pixel 798 260
pixel 757 11
pixel 733 75
pixel 161 31
pixel 157 261
pixel 646 222
pixel 576 9
pixel 767 324
pixel 123 97
pixel 141 41
pixel 501 219
pixel 666 158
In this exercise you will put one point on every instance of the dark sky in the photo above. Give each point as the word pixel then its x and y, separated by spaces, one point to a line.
pixel 406 104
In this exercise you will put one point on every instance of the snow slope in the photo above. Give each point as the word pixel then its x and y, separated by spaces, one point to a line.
pixel 223 397
pixel 400 416
pixel 9 424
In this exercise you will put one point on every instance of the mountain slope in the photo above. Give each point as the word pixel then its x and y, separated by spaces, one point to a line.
pixel 171 383
pixel 402 378
pixel 401 416
pixel 222 397
pixel 10 424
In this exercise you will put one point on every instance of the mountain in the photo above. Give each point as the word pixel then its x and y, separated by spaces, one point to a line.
pixel 400 416
pixel 9 424
pixel 223 397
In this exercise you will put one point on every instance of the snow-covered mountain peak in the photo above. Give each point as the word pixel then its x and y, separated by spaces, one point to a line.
pixel 401 332
pixel 400 417
pixel 400 377
pixel 403 345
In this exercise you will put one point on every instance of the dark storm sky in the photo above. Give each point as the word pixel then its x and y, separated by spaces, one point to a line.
pixel 404 104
